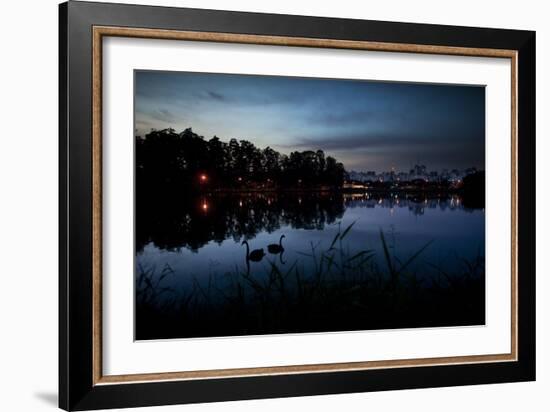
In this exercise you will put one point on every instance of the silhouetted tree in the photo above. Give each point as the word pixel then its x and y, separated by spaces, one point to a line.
pixel 186 161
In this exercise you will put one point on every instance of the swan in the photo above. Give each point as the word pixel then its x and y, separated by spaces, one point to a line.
pixel 256 255
pixel 276 248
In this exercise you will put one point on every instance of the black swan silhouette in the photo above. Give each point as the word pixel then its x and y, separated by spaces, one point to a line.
pixel 256 255
pixel 274 248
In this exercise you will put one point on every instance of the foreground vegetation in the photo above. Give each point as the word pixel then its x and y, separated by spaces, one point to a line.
pixel 343 291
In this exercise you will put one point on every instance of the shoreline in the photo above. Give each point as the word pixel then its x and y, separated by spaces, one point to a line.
pixel 338 190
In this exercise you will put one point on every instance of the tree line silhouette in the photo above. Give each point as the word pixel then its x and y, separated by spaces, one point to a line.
pixel 167 158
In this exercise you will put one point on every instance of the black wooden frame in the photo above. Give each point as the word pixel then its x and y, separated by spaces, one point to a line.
pixel 76 388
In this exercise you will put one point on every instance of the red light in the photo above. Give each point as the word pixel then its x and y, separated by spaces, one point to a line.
pixel 203 178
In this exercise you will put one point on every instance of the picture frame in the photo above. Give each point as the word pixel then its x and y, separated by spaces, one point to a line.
pixel 83 27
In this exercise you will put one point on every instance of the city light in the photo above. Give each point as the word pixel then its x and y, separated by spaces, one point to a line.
pixel 417 175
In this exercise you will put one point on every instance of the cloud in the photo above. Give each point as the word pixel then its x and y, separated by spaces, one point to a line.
pixel 365 151
pixel 249 98
pixel 163 115
pixel 216 96
pixel 364 141
pixel 343 118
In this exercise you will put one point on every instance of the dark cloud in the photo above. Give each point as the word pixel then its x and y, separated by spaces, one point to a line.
pixel 241 99
pixel 368 141
pixel 403 150
pixel 342 118
pixel 216 96
pixel 163 115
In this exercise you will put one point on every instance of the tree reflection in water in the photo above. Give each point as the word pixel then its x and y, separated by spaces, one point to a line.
pixel 335 276
pixel 176 221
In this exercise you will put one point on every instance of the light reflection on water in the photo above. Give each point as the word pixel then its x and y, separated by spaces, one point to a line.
pixel 202 242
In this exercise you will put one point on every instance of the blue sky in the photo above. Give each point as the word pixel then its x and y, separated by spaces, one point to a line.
pixel 366 125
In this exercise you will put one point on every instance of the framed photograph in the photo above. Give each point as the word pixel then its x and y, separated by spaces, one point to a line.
pixel 257 205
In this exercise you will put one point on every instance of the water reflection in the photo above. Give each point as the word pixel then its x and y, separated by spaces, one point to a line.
pixel 256 263
pixel 175 222
pixel 181 222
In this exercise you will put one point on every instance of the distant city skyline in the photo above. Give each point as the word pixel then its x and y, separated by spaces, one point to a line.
pixel 416 172
pixel 410 169
pixel 366 125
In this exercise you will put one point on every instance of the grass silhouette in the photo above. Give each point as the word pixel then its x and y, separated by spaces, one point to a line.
pixel 342 291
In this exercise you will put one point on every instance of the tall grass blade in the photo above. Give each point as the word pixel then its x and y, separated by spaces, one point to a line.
pixel 347 230
pixel 334 241
pixel 387 253
pixel 358 255
pixel 414 256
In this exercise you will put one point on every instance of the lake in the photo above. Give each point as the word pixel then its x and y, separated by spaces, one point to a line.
pixel 192 249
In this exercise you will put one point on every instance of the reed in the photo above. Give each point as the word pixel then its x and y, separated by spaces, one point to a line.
pixel 343 291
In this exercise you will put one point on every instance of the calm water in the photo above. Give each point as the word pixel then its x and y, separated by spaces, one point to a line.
pixel 200 239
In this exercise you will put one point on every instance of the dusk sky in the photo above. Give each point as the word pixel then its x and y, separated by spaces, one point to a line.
pixel 366 125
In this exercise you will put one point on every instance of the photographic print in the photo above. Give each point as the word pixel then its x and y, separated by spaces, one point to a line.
pixel 261 205
pixel 270 204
